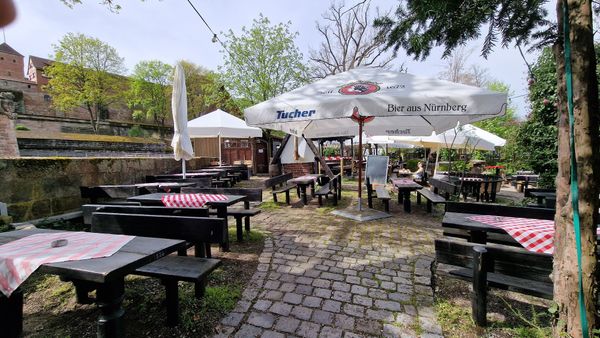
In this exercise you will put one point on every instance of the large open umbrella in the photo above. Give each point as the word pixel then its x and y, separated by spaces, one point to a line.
pixel 401 104
pixel 181 143
pixel 221 124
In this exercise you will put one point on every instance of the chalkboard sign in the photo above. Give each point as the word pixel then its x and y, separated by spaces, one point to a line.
pixel 377 167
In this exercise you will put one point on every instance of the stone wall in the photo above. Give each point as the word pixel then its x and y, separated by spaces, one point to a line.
pixel 41 187
pixel 8 139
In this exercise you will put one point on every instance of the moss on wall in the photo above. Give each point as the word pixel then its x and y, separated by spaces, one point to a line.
pixel 41 187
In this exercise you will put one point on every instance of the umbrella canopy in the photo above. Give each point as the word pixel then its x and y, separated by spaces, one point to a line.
pixel 402 104
pixel 181 143
pixel 220 123
pixel 452 139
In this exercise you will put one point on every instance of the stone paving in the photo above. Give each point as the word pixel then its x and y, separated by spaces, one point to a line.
pixel 324 276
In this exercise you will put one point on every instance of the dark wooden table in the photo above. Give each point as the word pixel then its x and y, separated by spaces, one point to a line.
pixel 106 275
pixel 477 231
pixel 221 206
pixel 303 182
pixel 404 189
pixel 545 198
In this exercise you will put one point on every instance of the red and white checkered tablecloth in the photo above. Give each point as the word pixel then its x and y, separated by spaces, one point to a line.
pixel 190 200
pixel 305 177
pixel 535 235
pixel 20 258
pixel 336 158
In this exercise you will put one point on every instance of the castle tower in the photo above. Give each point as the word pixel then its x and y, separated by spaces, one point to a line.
pixel 11 63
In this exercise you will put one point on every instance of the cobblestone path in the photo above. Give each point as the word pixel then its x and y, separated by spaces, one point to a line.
pixel 324 276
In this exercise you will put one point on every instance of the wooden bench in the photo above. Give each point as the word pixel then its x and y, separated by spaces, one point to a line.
pixel 332 186
pixel 380 193
pixel 169 269
pixel 494 266
pixel 90 209
pixel 239 214
pixel 431 197
pixel 279 185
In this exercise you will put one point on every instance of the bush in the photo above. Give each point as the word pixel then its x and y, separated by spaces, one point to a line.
pixel 411 164
pixel 136 131
pixel 329 151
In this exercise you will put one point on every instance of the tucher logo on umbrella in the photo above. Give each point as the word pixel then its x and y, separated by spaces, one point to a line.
pixel 359 88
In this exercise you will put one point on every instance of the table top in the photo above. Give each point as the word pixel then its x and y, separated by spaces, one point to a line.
pixel 406 184
pixel 192 174
pixel 155 199
pixel 550 194
pixel 305 179
pixel 460 220
pixel 138 252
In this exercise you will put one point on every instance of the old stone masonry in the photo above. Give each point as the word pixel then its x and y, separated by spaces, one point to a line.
pixel 324 277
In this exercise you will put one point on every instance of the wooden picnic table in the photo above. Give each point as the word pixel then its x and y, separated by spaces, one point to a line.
pixel 302 182
pixel 106 275
pixel 545 198
pixel 405 186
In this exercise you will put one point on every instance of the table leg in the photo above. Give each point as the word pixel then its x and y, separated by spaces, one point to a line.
pixel 222 213
pixel 407 201
pixel 109 298
pixel 400 196
pixel 312 189
pixel 11 314
pixel 303 194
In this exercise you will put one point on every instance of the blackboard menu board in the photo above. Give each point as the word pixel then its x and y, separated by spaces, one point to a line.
pixel 377 167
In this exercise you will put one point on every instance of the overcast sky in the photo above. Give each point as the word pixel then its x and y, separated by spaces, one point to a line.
pixel 170 30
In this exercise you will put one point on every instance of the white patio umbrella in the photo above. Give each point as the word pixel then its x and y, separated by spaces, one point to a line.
pixel 221 124
pixel 400 103
pixel 181 143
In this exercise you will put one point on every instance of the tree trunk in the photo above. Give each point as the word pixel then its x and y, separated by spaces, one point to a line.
pixel 585 97
pixel 92 118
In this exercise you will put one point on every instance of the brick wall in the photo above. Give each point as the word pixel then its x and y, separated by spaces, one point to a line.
pixel 8 139
pixel 42 187
pixel 299 169
pixel 11 66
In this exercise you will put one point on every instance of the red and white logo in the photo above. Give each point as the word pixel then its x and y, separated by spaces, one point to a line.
pixel 359 88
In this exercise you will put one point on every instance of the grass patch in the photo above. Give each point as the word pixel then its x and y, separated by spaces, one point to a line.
pixel 252 236
pixel 269 205
pixel 453 319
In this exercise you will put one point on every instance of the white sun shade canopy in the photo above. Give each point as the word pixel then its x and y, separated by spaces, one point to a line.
pixel 402 104
pixel 220 123
pixel 467 136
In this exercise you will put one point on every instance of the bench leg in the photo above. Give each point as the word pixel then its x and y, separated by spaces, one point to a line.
pixel 172 300
pixel 335 198
pixel 418 198
pixel 429 206
pixel 320 200
pixel 370 200
pixel 479 296
pixel 239 231
pixel 386 205
pixel 11 314
pixel 275 197
pixel 247 223
pixel 287 197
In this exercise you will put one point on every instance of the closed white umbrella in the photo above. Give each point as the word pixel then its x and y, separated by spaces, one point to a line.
pixel 181 143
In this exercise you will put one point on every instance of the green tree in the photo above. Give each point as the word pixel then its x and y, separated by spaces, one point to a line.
pixel 262 62
pixel 206 92
pixel 86 74
pixel 150 91
pixel 422 25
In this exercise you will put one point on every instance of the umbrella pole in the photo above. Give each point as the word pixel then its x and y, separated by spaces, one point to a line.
pixel 220 159
pixel 437 157
pixel 360 128
pixel 183 167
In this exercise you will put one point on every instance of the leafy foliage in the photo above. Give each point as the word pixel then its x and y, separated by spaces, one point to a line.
pixel 150 90
pixel 422 25
pixel 206 92
pixel 262 62
pixel 86 74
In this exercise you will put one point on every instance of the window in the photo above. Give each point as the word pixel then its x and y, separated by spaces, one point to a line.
pixel 244 144
pixel 14 61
